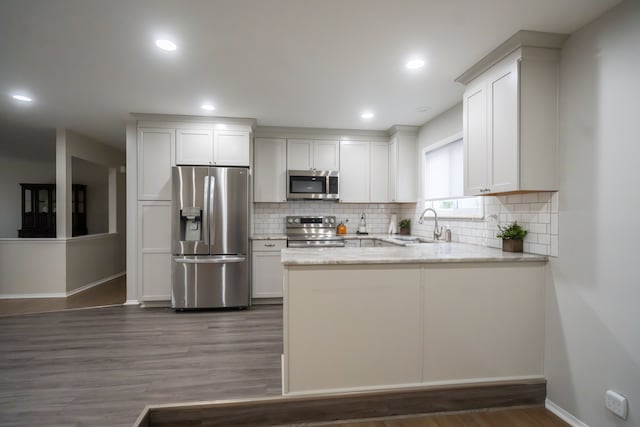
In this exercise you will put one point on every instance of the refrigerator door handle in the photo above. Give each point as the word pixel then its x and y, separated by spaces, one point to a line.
pixel 222 259
pixel 212 212
pixel 205 203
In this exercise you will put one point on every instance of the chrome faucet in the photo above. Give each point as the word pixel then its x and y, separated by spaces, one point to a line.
pixel 437 232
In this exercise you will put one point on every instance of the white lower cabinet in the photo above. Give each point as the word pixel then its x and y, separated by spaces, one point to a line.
pixel 154 239
pixel 267 268
pixel 366 327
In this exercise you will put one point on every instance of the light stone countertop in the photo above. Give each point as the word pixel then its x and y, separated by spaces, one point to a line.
pixel 441 252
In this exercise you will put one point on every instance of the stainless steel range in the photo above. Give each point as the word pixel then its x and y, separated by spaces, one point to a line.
pixel 313 232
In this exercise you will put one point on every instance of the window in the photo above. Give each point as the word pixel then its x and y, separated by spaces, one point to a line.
pixel 442 184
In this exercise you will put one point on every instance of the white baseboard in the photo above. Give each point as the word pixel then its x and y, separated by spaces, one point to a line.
pixel 563 415
pixel 63 294
pixel 96 283
pixel 155 303
pixel 132 302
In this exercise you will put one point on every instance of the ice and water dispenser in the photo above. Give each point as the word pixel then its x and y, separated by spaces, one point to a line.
pixel 191 224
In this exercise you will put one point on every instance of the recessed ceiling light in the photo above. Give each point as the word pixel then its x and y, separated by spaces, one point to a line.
pixel 415 64
pixel 367 115
pixel 22 98
pixel 165 44
pixel 207 107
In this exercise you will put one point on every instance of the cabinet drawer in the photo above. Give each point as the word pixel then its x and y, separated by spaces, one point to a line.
pixel 268 245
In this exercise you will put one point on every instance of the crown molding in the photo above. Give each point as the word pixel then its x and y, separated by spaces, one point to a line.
pixel 522 38
pixel 245 121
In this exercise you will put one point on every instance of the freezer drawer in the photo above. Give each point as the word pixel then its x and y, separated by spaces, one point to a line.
pixel 210 281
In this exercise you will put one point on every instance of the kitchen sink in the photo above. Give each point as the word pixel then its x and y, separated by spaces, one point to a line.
pixel 413 239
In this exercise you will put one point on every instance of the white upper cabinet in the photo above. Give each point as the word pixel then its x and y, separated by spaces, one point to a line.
pixel 403 160
pixel 364 171
pixel 379 172
pixel 299 154
pixel 269 170
pixel 194 147
pixel 326 155
pixel 305 154
pixel 509 124
pixel 209 147
pixel 231 148
pixel 354 171
pixel 155 158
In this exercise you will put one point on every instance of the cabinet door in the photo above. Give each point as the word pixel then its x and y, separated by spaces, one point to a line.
pixel 476 158
pixel 393 166
pixel 155 158
pixel 354 172
pixel 154 237
pixel 269 170
pixel 503 132
pixel 194 147
pixel 299 154
pixel 379 172
pixel 326 155
pixel 231 148
pixel 267 275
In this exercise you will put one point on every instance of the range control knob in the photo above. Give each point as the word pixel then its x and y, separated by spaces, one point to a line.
pixel 326 220
pixel 290 220
pixel 332 221
pixel 297 220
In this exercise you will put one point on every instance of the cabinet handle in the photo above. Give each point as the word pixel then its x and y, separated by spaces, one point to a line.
pixel 269 245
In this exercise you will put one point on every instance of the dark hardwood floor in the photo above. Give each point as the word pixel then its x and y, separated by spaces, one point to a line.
pixel 100 367
pixel 513 417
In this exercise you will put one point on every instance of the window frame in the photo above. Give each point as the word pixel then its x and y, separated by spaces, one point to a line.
pixel 446 213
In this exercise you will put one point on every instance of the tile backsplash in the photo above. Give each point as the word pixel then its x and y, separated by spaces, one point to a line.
pixel 536 212
pixel 269 218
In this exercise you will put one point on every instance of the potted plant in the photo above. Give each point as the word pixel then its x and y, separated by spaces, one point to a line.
pixel 405 226
pixel 511 236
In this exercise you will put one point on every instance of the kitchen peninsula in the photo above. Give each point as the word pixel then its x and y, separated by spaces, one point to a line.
pixel 392 317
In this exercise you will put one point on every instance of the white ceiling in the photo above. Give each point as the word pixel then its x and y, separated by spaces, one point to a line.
pixel 307 63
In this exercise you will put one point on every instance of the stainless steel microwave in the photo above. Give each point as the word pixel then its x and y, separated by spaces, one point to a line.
pixel 312 185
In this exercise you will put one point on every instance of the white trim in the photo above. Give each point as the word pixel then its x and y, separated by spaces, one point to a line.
pixel 34 240
pixel 63 294
pixel 442 143
pixel 412 386
pixel 155 303
pixel 132 302
pixel 19 240
pixel 29 296
pixel 563 414
pixel 96 283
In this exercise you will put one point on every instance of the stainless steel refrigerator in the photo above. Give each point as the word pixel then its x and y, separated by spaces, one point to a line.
pixel 210 237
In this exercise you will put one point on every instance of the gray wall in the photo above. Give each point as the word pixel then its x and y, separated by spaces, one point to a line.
pixel 13 171
pixel 593 299
pixel 96 178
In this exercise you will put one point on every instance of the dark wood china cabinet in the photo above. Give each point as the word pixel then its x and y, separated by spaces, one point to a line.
pixel 39 210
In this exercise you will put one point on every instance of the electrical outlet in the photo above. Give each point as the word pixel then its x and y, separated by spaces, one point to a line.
pixel 616 403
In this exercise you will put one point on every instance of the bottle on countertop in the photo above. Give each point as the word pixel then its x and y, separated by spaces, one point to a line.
pixel 447 234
